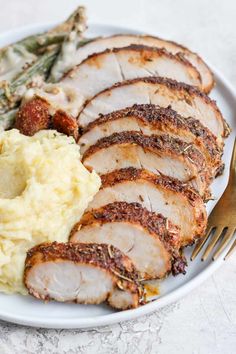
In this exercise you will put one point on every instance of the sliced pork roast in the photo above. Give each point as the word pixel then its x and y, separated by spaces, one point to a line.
pixel 184 99
pixel 118 41
pixel 102 70
pixel 150 240
pixel 161 154
pixel 82 273
pixel 151 119
pixel 159 194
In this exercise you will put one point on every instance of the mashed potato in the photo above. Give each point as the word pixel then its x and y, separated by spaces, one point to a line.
pixel 44 190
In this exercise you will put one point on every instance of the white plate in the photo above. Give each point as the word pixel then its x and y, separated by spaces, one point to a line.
pixel 29 311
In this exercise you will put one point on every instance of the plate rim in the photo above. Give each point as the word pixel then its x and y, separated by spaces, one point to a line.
pixel 175 295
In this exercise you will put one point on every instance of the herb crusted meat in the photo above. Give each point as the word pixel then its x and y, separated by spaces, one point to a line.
pixel 150 119
pixel 82 273
pixel 159 194
pixel 122 40
pixel 150 240
pixel 102 70
pixel 162 155
pixel 138 107
pixel 186 100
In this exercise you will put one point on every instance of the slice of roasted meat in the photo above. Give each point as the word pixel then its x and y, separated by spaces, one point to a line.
pixel 161 154
pixel 102 70
pixel 82 273
pixel 118 41
pixel 150 240
pixel 159 194
pixel 184 99
pixel 151 119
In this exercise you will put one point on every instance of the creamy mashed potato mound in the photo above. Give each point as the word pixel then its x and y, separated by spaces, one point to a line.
pixel 44 190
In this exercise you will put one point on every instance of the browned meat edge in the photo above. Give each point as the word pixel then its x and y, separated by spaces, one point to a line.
pixel 155 115
pixel 154 144
pixel 186 90
pixel 145 52
pixel 104 256
pixel 183 51
pixel 134 213
pixel 134 174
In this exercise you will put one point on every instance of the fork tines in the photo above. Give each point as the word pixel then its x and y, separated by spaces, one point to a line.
pixel 222 220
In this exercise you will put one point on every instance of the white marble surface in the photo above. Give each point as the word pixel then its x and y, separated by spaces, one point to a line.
pixel 204 322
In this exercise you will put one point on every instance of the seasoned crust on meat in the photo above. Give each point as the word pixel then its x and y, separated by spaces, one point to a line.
pixel 133 174
pixel 146 54
pixel 105 257
pixel 181 87
pixel 182 91
pixel 152 114
pixel 187 197
pixel 121 40
pixel 167 120
pixel 133 213
pixel 152 143
pixel 160 147
pixel 188 54
pixel 82 252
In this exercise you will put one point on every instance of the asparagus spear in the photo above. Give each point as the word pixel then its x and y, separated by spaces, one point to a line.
pixel 72 42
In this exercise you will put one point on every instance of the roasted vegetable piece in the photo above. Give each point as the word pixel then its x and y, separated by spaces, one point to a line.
pixel 33 116
pixel 65 124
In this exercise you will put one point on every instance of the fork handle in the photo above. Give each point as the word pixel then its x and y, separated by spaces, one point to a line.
pixel 233 159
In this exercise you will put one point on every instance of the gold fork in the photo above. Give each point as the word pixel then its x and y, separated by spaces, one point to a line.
pixel 222 220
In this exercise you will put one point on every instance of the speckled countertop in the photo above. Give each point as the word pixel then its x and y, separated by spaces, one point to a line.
pixel 204 322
